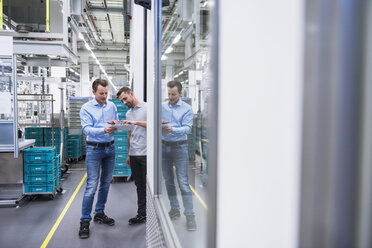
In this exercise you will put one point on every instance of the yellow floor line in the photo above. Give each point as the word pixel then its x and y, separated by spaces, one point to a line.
pixel 54 228
pixel 200 199
pixel 196 194
pixel 78 169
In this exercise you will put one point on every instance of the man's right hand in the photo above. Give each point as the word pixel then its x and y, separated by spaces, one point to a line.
pixel 167 129
pixel 128 161
pixel 110 130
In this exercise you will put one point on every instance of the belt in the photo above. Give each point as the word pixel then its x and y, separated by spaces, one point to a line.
pixel 100 144
pixel 174 143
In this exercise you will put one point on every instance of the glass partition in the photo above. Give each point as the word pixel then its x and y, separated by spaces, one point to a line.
pixel 6 87
pixel 6 102
pixel 185 93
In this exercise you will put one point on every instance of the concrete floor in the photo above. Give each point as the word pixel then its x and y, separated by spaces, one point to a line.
pixel 30 223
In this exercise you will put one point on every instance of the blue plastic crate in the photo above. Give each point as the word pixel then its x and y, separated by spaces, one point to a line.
pixel 48 140
pixel 121 160
pixel 121 133
pixel 39 178
pixel 74 155
pixel 121 156
pixel 122 172
pixel 57 142
pixel 122 116
pixel 125 168
pixel 48 133
pixel 58 158
pixel 42 168
pixel 34 132
pixel 121 148
pixel 59 173
pixel 120 139
pixel 122 109
pixel 120 164
pixel 120 105
pixel 57 181
pixel 38 158
pixel 39 188
pixel 39 155
pixel 57 162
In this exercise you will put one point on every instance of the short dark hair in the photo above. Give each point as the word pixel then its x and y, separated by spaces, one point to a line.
pixel 127 90
pixel 97 82
pixel 175 83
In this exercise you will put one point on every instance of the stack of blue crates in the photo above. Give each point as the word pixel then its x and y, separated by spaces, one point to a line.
pixel 41 170
pixel 58 172
pixel 57 137
pixel 120 137
pixel 74 146
pixel 35 133
pixel 43 136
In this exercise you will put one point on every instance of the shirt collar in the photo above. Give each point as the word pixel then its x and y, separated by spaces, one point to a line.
pixel 139 105
pixel 95 103
pixel 177 104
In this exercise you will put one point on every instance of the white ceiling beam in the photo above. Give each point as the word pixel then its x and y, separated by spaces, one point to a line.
pixel 105 54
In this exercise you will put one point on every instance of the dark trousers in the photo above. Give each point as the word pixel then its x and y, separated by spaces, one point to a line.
pixel 138 164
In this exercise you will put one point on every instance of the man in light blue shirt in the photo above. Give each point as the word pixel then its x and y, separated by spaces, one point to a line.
pixel 100 154
pixel 175 152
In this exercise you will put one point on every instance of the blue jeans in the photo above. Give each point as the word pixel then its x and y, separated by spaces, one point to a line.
pixel 100 163
pixel 178 156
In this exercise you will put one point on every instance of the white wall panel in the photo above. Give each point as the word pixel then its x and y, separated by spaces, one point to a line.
pixel 6 47
pixel 136 51
pixel 136 58
pixel 260 97
pixel 150 96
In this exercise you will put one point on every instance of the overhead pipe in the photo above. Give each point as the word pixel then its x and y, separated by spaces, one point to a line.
pixel 90 29
pixel 109 21
pixel 171 10
pixel 90 23
pixel 95 26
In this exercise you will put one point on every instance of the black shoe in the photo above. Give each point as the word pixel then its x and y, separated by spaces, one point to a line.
pixel 139 219
pixel 84 229
pixel 174 214
pixel 101 218
pixel 190 223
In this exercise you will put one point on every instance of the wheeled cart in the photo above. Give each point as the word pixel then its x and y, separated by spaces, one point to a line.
pixel 42 171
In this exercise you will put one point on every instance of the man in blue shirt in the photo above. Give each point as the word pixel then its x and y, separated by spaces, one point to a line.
pixel 100 154
pixel 175 152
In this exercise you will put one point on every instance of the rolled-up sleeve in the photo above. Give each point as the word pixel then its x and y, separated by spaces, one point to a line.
pixel 87 123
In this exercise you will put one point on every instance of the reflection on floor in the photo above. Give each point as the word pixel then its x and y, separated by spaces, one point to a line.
pixel 191 239
pixel 29 225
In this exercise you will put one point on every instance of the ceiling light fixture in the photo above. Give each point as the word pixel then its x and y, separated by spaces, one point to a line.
pixel 87 46
pixel 169 50
pixel 97 61
pixel 177 39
